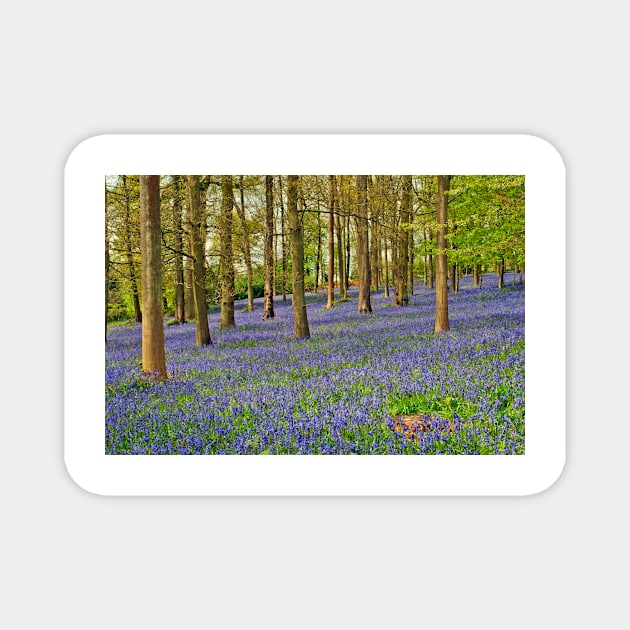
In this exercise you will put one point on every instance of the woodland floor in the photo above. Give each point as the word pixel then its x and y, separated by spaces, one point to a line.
pixel 380 384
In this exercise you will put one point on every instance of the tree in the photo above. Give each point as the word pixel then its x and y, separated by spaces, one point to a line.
pixel 401 297
pixel 268 312
pixel 363 250
pixel 441 266
pixel 247 250
pixel 300 320
pixel 178 242
pixel 227 260
pixel 153 356
pixel 332 183
pixel 198 247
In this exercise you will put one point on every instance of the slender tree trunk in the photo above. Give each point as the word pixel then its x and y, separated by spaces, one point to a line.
pixel 500 272
pixel 386 265
pixel 363 249
pixel 227 259
pixel 300 320
pixel 106 277
pixel 268 312
pixel 189 290
pixel 341 265
pixel 373 240
pixel 441 290
pixel 247 250
pixel 180 315
pixel 412 260
pixel 197 213
pixel 347 235
pixel 283 232
pixel 332 184
pixel 129 254
pixel 402 268
pixel 318 261
pixel 153 356
pixel 431 266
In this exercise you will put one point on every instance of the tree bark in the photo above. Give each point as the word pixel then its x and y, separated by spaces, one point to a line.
pixel 363 249
pixel 197 213
pixel 300 320
pixel 402 267
pixel 153 356
pixel 268 312
pixel 284 241
pixel 332 184
pixel 227 259
pixel 247 250
pixel 129 254
pixel 441 267
pixel 180 315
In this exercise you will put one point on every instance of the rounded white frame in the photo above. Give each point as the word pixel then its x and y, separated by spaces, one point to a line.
pixel 84 364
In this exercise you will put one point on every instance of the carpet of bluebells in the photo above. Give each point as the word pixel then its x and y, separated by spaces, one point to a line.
pixel 256 390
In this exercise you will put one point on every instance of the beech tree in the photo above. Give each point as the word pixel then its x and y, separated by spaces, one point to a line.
pixel 178 245
pixel 300 320
pixel 227 260
pixel 363 250
pixel 198 247
pixel 441 267
pixel 331 241
pixel 268 312
pixel 153 356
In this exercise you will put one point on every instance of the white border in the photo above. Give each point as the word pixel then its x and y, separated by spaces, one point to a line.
pixel 530 473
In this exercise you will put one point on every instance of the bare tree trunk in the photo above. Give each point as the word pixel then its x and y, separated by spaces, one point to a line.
pixel 318 260
pixel 268 312
pixel 500 272
pixel 129 254
pixel 363 249
pixel 341 265
pixel 441 289
pixel 300 320
pixel 197 213
pixel 283 232
pixel 402 268
pixel 227 260
pixel 431 266
pixel 411 261
pixel 189 290
pixel 153 356
pixel 180 315
pixel 332 184
pixel 106 276
pixel 247 250
pixel 386 265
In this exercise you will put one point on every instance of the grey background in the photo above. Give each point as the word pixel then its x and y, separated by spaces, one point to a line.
pixel 73 560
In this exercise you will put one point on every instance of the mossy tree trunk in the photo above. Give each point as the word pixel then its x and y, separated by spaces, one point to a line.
pixel 227 258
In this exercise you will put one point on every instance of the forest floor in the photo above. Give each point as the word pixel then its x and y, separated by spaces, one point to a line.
pixel 379 384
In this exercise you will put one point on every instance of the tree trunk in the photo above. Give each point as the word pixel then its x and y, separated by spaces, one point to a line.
pixel 197 213
pixel 189 289
pixel 441 289
pixel 268 312
pixel 341 265
pixel 283 232
pixel 180 315
pixel 227 259
pixel 129 254
pixel 411 261
pixel 318 260
pixel 247 250
pixel 386 265
pixel 153 356
pixel 332 184
pixel 106 276
pixel 363 250
pixel 500 272
pixel 300 321
pixel 402 267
